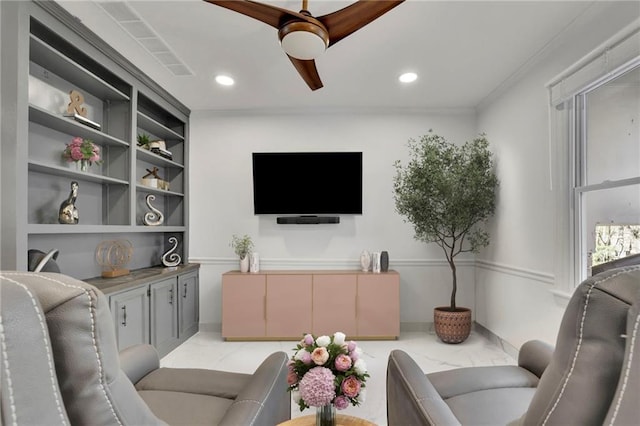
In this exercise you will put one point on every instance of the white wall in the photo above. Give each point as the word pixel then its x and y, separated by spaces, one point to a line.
pixel 221 202
pixel 517 271
pixel 515 274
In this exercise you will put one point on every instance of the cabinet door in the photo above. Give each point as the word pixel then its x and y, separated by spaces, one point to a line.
pixel 334 304
pixel 243 305
pixel 288 305
pixel 164 315
pixel 130 310
pixel 188 305
pixel 379 305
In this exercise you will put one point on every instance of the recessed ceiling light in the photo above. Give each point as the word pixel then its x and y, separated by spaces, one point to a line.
pixel 408 77
pixel 224 80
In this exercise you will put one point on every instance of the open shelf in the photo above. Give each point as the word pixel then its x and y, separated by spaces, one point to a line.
pixel 68 125
pixel 37 166
pixel 157 128
pixel 146 155
pixel 44 229
pixel 147 189
pixel 49 58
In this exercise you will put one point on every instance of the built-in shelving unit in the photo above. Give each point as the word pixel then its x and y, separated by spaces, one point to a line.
pixel 62 56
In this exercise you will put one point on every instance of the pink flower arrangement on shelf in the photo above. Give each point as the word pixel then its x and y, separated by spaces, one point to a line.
pixel 82 149
pixel 327 370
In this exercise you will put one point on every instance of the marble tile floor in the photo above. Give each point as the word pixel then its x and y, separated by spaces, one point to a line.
pixel 208 350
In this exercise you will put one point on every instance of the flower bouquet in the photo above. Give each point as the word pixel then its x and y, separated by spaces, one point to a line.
pixel 82 150
pixel 327 371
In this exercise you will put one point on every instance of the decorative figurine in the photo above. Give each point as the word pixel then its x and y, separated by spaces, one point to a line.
pixel 365 260
pixel 68 213
pixel 112 256
pixel 155 216
pixel 171 259
pixel 375 262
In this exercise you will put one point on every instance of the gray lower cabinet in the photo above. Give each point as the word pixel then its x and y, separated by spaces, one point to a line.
pixel 164 315
pixel 130 310
pixel 154 306
pixel 188 304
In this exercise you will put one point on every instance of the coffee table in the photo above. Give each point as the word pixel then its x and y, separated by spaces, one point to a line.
pixel 341 420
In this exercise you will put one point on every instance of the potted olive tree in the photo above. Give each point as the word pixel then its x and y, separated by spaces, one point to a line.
pixel 448 192
pixel 242 247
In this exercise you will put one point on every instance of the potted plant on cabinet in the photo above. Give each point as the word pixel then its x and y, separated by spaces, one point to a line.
pixel 242 247
pixel 448 192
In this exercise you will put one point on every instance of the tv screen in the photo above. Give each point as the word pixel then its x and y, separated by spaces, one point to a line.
pixel 307 183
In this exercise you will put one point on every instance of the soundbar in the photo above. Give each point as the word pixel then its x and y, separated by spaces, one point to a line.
pixel 306 220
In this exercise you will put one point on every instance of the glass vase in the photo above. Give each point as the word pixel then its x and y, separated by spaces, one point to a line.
pixel 83 165
pixel 326 415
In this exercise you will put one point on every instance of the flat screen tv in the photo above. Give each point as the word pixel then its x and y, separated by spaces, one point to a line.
pixel 307 183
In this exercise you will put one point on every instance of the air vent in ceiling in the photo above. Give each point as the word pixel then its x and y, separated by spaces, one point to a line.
pixel 135 26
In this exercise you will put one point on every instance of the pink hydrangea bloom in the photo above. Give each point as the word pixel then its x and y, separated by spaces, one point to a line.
pixel 320 355
pixel 76 153
pixel 351 386
pixel 343 362
pixel 317 388
pixel 341 402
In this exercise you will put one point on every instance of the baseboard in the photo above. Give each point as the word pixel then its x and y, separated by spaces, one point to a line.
pixel 496 340
pixel 211 327
pixel 413 327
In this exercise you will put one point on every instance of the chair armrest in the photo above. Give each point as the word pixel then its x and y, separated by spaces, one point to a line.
pixel 411 398
pixel 535 356
pixel 139 360
pixel 264 400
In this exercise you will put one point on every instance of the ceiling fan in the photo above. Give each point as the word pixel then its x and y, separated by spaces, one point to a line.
pixel 304 37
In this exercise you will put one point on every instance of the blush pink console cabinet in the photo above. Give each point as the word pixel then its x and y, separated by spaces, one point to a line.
pixel 283 305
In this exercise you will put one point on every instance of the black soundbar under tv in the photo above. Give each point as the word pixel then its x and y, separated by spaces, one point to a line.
pixel 306 220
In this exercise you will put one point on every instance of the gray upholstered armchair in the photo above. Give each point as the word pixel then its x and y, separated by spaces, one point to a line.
pixel 60 365
pixel 592 376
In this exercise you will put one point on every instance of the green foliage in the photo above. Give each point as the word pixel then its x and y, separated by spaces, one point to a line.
pixel 241 245
pixel 144 140
pixel 447 192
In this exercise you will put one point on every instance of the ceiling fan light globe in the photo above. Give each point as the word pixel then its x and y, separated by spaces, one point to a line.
pixel 303 40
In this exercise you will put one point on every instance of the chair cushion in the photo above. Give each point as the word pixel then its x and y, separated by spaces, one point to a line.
pixel 180 408
pixel 491 406
pixel 221 384
pixel 462 381
pixel 575 388
pixel 625 409
pixel 94 389
pixel 30 391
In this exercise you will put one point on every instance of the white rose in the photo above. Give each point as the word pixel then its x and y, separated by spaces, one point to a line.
pixel 298 356
pixel 323 341
pixel 362 396
pixel 360 366
pixel 338 338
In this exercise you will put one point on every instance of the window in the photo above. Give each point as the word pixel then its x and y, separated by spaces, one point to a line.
pixel 606 164
pixel 594 146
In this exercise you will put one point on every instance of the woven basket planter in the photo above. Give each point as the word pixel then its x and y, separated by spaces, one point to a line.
pixel 452 326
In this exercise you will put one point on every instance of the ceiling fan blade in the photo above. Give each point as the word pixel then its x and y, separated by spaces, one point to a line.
pixel 353 17
pixel 308 71
pixel 269 14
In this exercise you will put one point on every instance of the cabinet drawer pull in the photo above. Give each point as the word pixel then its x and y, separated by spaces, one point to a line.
pixel 171 296
pixel 185 291
pixel 124 315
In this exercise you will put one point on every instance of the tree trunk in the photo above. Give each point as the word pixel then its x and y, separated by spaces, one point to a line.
pixel 454 288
